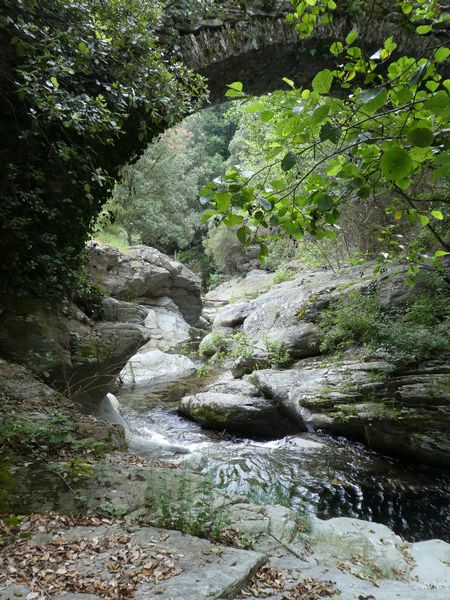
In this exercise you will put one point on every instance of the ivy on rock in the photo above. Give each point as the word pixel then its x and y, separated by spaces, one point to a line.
pixel 84 88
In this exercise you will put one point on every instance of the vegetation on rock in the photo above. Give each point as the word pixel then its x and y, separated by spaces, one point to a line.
pixel 414 332
pixel 84 87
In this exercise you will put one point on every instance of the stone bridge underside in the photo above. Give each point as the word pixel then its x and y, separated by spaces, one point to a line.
pixel 259 48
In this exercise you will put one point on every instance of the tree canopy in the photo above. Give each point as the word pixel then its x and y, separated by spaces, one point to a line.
pixel 376 125
pixel 156 201
pixel 84 88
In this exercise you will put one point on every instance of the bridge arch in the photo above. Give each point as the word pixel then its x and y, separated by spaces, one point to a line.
pixel 259 48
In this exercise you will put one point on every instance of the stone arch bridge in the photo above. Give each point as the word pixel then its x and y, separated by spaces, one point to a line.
pixel 250 41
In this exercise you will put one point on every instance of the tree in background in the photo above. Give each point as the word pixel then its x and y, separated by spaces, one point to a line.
pixel 156 202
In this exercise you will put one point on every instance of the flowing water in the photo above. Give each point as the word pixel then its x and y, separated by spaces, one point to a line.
pixel 329 476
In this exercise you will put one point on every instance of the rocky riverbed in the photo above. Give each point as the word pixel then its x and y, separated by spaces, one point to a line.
pixel 288 467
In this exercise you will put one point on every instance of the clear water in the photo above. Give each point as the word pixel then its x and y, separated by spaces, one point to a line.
pixel 330 476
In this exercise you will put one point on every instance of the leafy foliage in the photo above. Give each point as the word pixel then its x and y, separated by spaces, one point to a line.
pixel 84 88
pixel 157 200
pixel 237 345
pixel 414 332
pixel 44 436
pixel 385 134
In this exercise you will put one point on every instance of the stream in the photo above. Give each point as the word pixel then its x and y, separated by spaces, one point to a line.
pixel 309 472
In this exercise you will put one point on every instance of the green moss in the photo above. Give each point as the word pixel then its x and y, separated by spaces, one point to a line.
pixel 8 485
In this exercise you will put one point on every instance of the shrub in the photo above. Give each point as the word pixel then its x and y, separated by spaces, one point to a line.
pixel 416 331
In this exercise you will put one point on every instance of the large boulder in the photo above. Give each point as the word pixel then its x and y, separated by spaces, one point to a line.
pixel 237 413
pixel 75 354
pixel 143 274
pixel 235 406
pixel 288 315
pixel 155 368
pixel 405 412
pixel 26 399
pixel 240 288
pixel 166 325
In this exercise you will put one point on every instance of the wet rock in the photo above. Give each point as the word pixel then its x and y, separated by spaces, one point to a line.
pixel 237 413
pixel 405 413
pixel 144 273
pixel 109 410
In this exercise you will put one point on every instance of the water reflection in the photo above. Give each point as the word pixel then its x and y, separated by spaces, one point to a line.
pixel 330 476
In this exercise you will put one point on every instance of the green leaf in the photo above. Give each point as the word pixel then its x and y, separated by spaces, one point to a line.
pixel 324 202
pixel 243 233
pixel 351 37
pixel 330 132
pixel 266 116
pixel 439 104
pixel 421 137
pixel 83 48
pixel 336 48
pixel 223 201
pixel 235 90
pixel 233 219
pixel 437 215
pixel 439 253
pixel 396 163
pixel 419 73
pixel 424 220
pixel 207 215
pixel 289 82
pixel 319 115
pixel 441 54
pixel 254 107
pixel 264 202
pixel 334 167
pixel 288 161
pixel 207 190
pixel 322 81
pixel 423 29
pixel 373 99
pixel 404 95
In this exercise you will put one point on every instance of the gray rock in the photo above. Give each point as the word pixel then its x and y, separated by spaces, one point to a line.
pixel 237 413
pixel 156 368
pixel 404 414
pixel 254 283
pixel 166 326
pixel 227 384
pixel 232 315
pixel 74 354
pixel 432 562
pixel 145 273
pixel 205 570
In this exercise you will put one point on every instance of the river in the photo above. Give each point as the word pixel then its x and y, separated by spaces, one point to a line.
pixel 309 472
